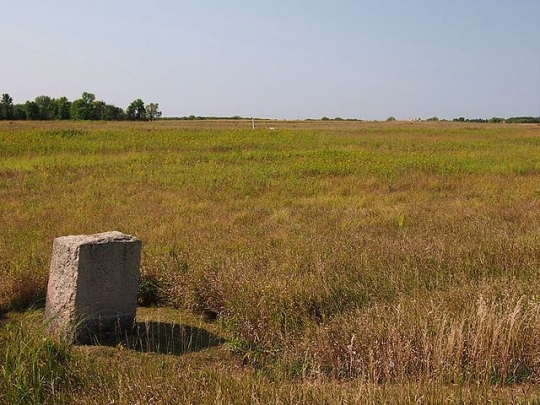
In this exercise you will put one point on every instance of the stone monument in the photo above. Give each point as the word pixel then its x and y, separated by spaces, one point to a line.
pixel 93 282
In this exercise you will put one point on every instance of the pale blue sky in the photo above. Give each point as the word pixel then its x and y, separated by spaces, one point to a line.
pixel 365 59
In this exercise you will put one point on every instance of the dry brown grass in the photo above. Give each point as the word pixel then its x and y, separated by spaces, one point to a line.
pixel 403 254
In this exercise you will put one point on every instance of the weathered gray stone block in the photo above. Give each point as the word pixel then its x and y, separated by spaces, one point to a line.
pixel 93 281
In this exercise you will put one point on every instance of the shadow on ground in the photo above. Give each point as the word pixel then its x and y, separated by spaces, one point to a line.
pixel 158 337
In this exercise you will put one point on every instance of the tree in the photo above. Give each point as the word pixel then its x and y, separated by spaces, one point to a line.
pixel 152 111
pixel 113 113
pixel 136 111
pixel 19 112
pixel 99 110
pixel 6 107
pixel 523 120
pixel 389 119
pixel 83 108
pixel 31 109
pixel 61 108
pixel 45 106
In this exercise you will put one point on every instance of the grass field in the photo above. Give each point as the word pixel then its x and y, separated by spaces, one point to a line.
pixel 346 262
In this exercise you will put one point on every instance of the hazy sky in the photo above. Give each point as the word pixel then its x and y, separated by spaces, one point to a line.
pixel 365 59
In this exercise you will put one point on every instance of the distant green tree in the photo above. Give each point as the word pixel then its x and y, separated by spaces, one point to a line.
pixel 113 113
pixel 6 107
pixel 19 112
pixel 433 119
pixel 389 119
pixel 152 111
pixel 99 110
pixel 83 108
pixel 46 107
pixel 61 108
pixel 136 111
pixel 325 119
pixel 79 110
pixel 31 108
pixel 523 120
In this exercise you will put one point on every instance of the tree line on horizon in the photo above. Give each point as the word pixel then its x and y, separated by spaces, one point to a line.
pixel 498 120
pixel 87 107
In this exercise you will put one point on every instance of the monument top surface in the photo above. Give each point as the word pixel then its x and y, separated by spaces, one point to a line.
pixel 105 237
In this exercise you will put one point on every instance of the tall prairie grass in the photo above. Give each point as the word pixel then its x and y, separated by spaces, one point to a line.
pixel 403 254
pixel 33 366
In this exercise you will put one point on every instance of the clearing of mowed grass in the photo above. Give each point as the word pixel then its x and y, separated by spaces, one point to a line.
pixel 316 263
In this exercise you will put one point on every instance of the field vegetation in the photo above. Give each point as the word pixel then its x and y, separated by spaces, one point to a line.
pixel 321 262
